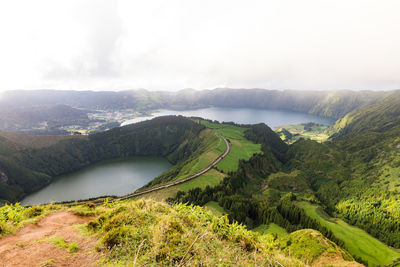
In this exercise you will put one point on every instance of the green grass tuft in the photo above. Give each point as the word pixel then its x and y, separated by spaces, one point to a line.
pixel 73 247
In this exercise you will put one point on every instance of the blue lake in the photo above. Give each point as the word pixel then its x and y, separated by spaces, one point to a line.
pixel 272 118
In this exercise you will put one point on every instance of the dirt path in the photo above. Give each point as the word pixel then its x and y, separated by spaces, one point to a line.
pixel 22 249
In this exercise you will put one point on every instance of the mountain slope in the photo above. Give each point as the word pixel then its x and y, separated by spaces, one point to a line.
pixel 355 179
pixel 143 233
pixel 378 117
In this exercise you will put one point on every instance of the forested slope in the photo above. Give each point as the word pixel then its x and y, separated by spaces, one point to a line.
pixel 25 169
pixel 356 179
pixel 378 117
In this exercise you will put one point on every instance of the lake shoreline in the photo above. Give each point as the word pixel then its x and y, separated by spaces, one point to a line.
pixel 111 177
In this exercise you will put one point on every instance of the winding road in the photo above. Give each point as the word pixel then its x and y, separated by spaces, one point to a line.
pixel 180 181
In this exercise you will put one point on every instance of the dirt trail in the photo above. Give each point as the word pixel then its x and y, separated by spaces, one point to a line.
pixel 22 249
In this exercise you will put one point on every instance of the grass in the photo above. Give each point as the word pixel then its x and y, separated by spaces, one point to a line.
pixel 57 241
pixel 47 263
pixel 148 233
pixel 317 133
pixel 357 241
pixel 212 146
pixel 61 243
pixel 144 233
pixel 73 247
pixel 210 178
pixel 311 245
pixel 14 216
pixel 271 228
pixel 241 149
pixel 215 208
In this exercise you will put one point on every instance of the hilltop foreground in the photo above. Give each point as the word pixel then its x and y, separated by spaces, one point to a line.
pixel 149 233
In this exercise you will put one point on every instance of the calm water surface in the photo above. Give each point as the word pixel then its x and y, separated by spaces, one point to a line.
pixel 272 118
pixel 114 177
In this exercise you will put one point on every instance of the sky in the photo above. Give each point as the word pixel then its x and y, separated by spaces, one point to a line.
pixel 177 44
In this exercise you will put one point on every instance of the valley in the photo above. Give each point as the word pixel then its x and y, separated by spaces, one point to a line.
pixel 276 183
pixel 200 133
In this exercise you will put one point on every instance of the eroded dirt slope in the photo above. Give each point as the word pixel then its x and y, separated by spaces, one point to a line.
pixel 32 245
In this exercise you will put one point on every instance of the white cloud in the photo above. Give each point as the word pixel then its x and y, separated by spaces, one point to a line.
pixel 156 44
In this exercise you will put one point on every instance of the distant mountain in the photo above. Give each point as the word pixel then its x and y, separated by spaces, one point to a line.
pixel 333 104
pixel 47 116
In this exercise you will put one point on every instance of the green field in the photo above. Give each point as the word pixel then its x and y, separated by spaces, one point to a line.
pixel 271 228
pixel 317 133
pixel 211 178
pixel 241 147
pixel 358 242
pixel 212 146
pixel 215 209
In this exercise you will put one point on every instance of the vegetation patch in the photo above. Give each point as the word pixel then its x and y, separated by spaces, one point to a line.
pixel 61 243
pixel 205 150
pixel 14 216
pixel 357 242
pixel 47 263
pixel 152 233
pixel 310 130
pixel 271 228
pixel 293 181
pixel 210 178
pixel 241 148
pixel 215 208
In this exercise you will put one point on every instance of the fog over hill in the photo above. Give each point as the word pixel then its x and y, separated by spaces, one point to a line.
pixel 325 103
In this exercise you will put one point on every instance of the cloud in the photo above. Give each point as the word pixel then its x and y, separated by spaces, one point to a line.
pixel 156 44
pixel 101 28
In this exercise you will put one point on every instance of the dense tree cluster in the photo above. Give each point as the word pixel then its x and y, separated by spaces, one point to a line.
pixel 174 137
pixel 355 179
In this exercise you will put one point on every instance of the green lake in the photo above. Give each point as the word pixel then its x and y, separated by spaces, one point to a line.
pixel 112 177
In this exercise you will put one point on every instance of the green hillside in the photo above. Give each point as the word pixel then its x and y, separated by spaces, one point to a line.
pixel 25 168
pixel 379 117
pixel 347 188
pixel 149 233
pixel 356 241
pixel 354 178
pixel 241 148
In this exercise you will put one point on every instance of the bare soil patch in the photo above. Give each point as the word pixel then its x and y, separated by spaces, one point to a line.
pixel 28 247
